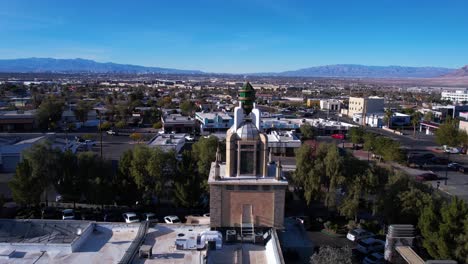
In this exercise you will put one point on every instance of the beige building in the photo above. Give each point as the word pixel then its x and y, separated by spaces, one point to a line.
pixel 360 105
pixel 247 191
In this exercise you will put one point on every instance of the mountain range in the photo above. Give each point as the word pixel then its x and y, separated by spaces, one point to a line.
pixel 80 66
pixel 339 70
pixel 462 72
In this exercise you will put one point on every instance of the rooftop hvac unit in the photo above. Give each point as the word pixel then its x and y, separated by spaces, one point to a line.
pixel 231 235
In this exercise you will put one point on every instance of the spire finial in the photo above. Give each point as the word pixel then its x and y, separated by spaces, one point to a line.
pixel 247 97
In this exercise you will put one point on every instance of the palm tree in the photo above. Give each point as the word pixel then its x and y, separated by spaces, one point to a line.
pixel 388 116
pixel 415 119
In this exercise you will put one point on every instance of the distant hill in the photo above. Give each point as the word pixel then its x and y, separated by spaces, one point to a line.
pixel 36 65
pixel 462 72
pixel 362 71
pixel 80 65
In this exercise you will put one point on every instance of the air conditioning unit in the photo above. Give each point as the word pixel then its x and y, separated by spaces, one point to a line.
pixel 231 235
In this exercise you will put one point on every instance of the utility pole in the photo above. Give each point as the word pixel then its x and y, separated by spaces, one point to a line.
pixel 100 130
pixel 446 169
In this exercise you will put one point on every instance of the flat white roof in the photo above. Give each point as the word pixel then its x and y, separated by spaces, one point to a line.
pixel 106 244
pixel 162 238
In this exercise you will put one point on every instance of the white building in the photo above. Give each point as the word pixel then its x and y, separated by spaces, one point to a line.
pixel 330 105
pixel 456 96
pixel 168 142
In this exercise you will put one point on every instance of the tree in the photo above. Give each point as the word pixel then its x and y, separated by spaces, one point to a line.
pixel 105 126
pixel 307 131
pixel 138 169
pixel 415 119
pixel 123 184
pixel 448 133
pixel 187 107
pixel 97 173
pixel 137 137
pixel 24 186
pixel 43 160
pixel 356 135
pixel 428 116
pixel 121 124
pixel 388 149
pixel 331 255
pixel 82 109
pixel 188 187
pixel 157 125
pixel 333 174
pixel 49 113
pixel 161 169
pixel 443 231
pixel 204 151
pixel 369 141
pixel 69 182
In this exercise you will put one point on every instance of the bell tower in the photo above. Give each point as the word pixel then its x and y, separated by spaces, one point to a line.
pixel 246 191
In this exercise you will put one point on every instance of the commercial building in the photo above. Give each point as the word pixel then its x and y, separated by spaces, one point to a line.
pixel 17 120
pixel 457 96
pixel 330 105
pixel 365 106
pixel 178 123
pixel 283 143
pixel 313 103
pixel 214 122
pixel 168 142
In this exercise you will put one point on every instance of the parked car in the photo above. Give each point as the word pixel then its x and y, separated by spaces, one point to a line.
pixel 130 218
pixel 68 214
pixel 358 234
pixel 206 215
pixel 374 258
pixel 189 138
pixel 172 219
pixel 370 245
pixel 150 217
pixel 451 150
pixel 111 132
pixel 429 176
pixel 454 166
pixel 338 136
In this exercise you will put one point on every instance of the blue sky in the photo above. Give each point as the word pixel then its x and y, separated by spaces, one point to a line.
pixel 239 36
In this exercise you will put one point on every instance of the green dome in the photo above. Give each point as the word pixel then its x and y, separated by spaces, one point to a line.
pixel 247 97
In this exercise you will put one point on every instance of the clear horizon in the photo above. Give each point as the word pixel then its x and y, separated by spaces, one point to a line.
pixel 239 36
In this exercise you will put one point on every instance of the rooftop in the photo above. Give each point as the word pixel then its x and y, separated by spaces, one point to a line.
pixel 168 141
pixel 162 238
pixel 178 118
pixel 56 241
pixel 213 115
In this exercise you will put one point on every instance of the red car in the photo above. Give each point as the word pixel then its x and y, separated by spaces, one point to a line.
pixel 427 177
pixel 338 136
